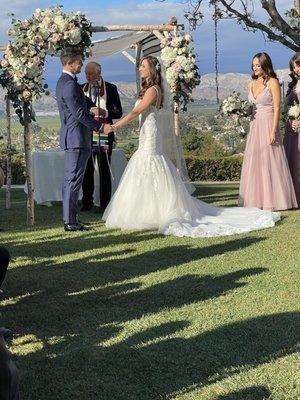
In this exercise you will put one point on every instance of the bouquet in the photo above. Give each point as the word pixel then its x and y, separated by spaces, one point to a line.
pixel 237 108
pixel 294 114
pixel 235 105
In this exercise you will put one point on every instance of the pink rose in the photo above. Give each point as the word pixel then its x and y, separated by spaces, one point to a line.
pixel 25 24
pixel 55 38
pixel 26 95
pixel 39 39
pixel 36 60
pixel 67 35
pixel 53 28
pixel 46 22
pixel 4 64
pixel 177 67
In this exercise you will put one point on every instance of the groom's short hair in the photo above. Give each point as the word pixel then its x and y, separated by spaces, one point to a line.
pixel 70 55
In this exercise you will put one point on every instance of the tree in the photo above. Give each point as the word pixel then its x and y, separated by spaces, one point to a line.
pixel 283 28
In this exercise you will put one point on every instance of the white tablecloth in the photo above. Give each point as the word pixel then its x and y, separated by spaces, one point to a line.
pixel 48 175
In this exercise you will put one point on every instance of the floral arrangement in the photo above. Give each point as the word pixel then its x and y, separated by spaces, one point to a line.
pixel 48 31
pixel 237 108
pixel 181 70
pixel 235 105
pixel 294 114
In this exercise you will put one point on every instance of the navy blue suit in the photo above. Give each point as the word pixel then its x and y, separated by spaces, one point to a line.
pixel 75 140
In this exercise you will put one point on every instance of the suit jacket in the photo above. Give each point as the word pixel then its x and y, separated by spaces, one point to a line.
pixel 113 102
pixel 76 123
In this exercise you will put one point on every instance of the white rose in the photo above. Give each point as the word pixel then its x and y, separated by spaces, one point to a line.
pixel 37 12
pixel 294 112
pixel 75 36
pixel 61 23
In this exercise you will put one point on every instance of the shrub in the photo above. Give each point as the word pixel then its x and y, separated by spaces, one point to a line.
pixel 214 169
pixel 17 166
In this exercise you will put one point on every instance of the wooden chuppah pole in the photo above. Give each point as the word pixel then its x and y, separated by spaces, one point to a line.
pixel 28 161
pixel 142 28
pixel 8 153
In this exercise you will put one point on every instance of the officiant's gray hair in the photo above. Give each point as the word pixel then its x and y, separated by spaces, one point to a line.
pixel 96 65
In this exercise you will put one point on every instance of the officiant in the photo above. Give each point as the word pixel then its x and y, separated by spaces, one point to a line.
pixel 105 97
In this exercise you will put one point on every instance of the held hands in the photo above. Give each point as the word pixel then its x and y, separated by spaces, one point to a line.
pixel 107 128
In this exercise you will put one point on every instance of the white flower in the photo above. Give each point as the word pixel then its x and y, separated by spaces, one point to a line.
pixel 61 23
pixel 38 12
pixel 55 38
pixel 75 36
pixel 26 95
pixel 294 111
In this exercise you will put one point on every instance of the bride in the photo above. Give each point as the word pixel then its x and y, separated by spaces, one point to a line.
pixel 152 194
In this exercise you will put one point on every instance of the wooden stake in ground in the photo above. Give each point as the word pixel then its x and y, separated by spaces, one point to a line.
pixel 28 162
pixel 8 153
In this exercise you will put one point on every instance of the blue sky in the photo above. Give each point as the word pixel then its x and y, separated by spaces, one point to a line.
pixel 236 47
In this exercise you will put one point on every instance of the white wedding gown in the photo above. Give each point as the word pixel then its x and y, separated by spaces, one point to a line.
pixel 151 195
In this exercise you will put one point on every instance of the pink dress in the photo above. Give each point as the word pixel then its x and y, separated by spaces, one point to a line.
pixel 266 182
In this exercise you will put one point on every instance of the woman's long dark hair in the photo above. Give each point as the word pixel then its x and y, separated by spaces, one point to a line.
pixel 266 65
pixel 294 60
pixel 154 79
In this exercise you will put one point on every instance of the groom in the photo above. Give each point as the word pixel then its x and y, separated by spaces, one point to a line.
pixel 75 134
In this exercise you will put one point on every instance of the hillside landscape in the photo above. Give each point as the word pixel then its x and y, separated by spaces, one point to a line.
pixel 205 92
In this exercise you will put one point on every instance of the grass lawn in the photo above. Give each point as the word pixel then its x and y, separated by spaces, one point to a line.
pixel 105 315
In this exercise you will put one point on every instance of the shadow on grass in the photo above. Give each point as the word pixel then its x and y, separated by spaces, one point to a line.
pixel 96 270
pixel 251 393
pixel 157 362
pixel 74 308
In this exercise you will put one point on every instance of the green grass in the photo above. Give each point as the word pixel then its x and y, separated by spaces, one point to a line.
pixel 137 316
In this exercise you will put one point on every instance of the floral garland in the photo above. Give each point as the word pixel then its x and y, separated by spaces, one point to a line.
pixel 48 31
pixel 181 70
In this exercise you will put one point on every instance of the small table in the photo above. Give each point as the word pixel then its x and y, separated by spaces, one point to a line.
pixel 48 175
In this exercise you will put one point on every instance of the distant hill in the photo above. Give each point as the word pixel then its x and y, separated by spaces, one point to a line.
pixel 205 92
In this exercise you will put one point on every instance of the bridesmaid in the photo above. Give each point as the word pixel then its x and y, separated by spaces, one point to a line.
pixel 291 140
pixel 266 182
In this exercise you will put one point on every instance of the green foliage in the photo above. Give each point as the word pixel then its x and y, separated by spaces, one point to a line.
pixel 17 165
pixel 215 169
pixel 129 148
pixel 200 144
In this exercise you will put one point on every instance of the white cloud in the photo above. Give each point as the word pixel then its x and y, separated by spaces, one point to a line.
pixel 134 12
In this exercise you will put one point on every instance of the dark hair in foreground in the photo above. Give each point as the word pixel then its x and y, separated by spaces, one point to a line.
pixel 266 65
pixel 70 55
pixel 294 60
pixel 154 78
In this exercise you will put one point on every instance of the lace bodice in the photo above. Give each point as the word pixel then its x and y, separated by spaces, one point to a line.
pixel 150 139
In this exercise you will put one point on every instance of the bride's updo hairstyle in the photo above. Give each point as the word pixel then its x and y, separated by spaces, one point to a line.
pixel 154 79
pixel 266 65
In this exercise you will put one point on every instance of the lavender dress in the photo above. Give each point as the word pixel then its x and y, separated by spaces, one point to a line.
pixel 291 142
pixel 266 182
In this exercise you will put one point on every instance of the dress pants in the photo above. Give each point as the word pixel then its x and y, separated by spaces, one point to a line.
pixel 75 164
